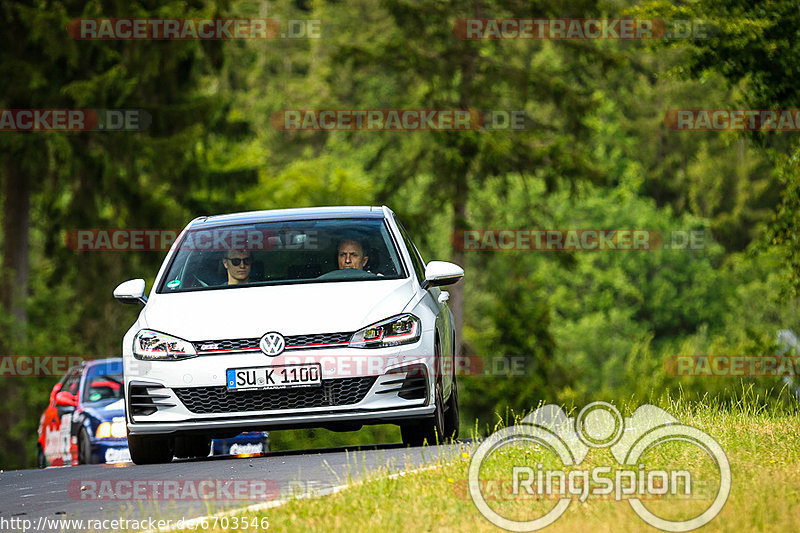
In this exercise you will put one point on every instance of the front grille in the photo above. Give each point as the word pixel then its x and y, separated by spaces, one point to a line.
pixel 321 338
pixel 293 342
pixel 210 400
pixel 232 344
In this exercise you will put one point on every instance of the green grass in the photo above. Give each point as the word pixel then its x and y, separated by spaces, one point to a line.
pixel 762 445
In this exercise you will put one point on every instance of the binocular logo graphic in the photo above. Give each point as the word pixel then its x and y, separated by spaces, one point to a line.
pixel 600 425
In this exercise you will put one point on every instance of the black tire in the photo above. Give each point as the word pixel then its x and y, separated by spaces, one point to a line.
pixel 192 446
pixel 451 420
pixel 411 434
pixel 84 448
pixel 429 430
pixel 41 460
pixel 150 449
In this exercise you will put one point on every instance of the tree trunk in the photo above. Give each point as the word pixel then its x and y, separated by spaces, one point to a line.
pixel 16 222
pixel 13 291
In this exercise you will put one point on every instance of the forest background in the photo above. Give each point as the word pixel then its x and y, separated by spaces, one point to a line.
pixel 595 152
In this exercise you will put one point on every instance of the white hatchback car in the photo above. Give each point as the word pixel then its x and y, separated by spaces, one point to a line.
pixel 317 317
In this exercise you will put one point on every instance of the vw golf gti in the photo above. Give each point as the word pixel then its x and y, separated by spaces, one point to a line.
pixel 315 317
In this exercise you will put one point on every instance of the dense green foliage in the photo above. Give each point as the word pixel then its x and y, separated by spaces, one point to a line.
pixel 596 153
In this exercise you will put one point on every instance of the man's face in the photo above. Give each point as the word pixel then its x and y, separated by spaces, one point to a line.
pixel 351 255
pixel 238 273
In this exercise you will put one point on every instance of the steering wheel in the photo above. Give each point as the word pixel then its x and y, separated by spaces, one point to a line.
pixel 347 273
pixel 199 282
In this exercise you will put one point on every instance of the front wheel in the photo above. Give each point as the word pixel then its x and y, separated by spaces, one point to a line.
pixel 84 448
pixel 451 420
pixel 429 430
pixel 41 460
pixel 150 449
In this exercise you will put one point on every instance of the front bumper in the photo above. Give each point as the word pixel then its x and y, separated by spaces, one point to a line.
pixel 110 451
pixel 190 396
pixel 283 421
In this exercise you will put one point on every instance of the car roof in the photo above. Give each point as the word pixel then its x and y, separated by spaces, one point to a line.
pixel 304 213
pixel 93 362
pixel 115 361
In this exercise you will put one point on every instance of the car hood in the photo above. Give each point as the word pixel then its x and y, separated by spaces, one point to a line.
pixel 288 309
pixel 106 412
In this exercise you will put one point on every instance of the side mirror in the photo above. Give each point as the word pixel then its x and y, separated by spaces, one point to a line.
pixel 56 388
pixel 131 292
pixel 439 273
pixel 66 399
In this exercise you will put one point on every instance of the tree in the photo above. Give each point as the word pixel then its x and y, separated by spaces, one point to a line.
pixel 754 44
pixel 53 182
pixel 399 54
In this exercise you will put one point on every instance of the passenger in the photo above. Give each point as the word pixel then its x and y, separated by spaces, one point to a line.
pixel 238 264
pixel 351 255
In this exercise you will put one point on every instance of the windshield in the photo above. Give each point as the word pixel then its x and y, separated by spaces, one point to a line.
pixel 103 382
pixel 272 253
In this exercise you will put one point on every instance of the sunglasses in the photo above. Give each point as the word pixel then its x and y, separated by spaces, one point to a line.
pixel 236 260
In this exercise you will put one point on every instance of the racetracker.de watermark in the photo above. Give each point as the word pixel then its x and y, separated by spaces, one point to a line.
pixel 74 120
pixel 161 240
pixel 733 366
pixel 548 431
pixel 573 240
pixel 733 119
pixel 558 29
pixel 213 29
pixel 173 489
pixel 400 120
pixel 36 366
pixel 340 365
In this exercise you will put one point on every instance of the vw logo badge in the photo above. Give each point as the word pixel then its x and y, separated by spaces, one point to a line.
pixel 272 344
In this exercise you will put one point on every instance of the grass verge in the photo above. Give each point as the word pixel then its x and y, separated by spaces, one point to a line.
pixel 762 446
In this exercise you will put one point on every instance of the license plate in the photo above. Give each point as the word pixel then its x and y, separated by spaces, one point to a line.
pixel 274 377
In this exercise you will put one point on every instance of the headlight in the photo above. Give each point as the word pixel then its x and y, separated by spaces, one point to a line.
pixel 103 430
pixel 114 429
pixel 401 329
pixel 152 345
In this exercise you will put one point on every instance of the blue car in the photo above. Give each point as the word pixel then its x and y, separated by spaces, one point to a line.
pixel 84 422
pixel 249 442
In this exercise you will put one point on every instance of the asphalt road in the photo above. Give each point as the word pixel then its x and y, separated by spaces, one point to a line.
pixel 192 488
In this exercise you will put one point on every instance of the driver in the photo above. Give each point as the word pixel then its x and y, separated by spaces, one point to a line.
pixel 351 255
pixel 238 264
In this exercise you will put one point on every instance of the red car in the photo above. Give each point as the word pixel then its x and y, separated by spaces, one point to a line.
pixel 84 422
